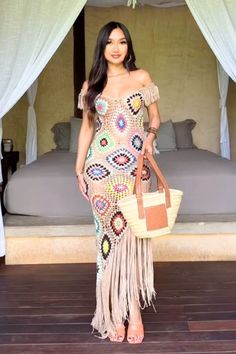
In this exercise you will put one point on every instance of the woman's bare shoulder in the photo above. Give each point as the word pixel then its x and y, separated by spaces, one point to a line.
pixel 142 76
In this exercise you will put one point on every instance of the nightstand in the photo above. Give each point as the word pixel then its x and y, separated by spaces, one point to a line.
pixel 9 163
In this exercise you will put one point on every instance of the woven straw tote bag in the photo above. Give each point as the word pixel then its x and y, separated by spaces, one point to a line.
pixel 151 214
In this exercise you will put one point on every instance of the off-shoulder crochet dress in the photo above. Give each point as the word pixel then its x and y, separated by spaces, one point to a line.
pixel 124 263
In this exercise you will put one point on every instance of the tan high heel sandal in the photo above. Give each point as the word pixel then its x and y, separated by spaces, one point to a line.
pixel 135 333
pixel 119 336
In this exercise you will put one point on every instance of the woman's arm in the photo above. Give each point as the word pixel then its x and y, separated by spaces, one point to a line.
pixel 154 122
pixel 84 141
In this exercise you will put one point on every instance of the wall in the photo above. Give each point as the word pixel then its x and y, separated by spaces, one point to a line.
pixel 168 44
pixel 14 125
pixel 56 93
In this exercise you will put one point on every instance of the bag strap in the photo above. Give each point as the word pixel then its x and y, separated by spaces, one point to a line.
pixel 161 182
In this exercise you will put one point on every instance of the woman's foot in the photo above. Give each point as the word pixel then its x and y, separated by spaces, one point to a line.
pixel 119 335
pixel 135 333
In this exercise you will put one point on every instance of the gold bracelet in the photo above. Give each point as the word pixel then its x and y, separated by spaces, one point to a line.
pixel 152 130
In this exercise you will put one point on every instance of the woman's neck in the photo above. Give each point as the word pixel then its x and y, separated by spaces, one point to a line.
pixel 116 70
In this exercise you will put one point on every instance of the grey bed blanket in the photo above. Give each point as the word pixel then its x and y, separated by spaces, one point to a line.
pixel 48 187
pixel 207 180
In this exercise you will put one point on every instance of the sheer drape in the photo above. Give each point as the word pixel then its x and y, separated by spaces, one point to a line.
pixel 31 135
pixel 30 33
pixel 217 21
pixel 223 82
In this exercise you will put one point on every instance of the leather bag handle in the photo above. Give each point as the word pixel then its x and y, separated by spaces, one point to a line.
pixel 161 182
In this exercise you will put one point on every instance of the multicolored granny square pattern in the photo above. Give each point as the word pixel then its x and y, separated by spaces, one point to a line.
pixel 104 142
pixel 121 122
pixel 110 171
pixel 106 246
pixel 98 225
pixel 101 106
pixel 119 186
pixel 111 166
pixel 100 204
pixel 136 142
pixel 121 159
pixel 97 171
pixel 118 223
pixel 98 124
pixel 146 173
pixel 135 103
pixel 89 153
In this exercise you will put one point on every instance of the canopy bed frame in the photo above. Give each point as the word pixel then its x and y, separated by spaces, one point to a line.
pixel 164 157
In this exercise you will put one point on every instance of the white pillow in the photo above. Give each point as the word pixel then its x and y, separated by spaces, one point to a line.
pixel 75 125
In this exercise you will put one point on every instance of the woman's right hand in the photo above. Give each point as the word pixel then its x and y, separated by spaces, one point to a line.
pixel 82 185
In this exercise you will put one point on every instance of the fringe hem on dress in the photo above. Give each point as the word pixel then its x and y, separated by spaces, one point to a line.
pixel 128 275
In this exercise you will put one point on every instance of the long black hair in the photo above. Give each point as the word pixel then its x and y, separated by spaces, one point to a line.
pixel 98 73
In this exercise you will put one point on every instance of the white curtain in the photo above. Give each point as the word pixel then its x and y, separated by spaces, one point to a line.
pixel 223 82
pixel 31 135
pixel 217 21
pixel 30 33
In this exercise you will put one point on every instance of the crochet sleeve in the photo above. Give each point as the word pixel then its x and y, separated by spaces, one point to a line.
pixel 81 101
pixel 151 94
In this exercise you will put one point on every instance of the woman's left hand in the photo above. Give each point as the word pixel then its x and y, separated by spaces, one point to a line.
pixel 147 145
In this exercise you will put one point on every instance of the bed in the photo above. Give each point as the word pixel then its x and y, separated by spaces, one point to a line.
pixel 48 187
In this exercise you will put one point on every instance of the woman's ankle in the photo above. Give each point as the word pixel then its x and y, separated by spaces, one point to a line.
pixel 135 316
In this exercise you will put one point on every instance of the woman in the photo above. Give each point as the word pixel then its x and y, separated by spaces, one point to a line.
pixel 110 140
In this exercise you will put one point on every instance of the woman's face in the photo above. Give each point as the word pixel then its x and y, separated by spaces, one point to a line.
pixel 117 47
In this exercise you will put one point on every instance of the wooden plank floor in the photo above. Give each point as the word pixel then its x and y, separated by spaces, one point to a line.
pixel 48 309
